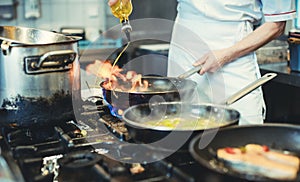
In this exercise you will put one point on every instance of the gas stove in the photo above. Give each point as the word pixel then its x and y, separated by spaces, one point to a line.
pixel 92 148
pixel 84 150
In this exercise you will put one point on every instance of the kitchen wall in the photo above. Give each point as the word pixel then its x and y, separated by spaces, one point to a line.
pixel 93 15
pixel 54 14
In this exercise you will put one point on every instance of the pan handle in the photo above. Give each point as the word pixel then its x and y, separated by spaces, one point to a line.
pixel 190 72
pixel 252 86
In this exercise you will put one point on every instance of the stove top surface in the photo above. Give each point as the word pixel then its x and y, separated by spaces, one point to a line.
pixel 84 150
pixel 90 149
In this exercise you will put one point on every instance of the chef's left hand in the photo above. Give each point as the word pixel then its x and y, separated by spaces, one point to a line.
pixel 213 60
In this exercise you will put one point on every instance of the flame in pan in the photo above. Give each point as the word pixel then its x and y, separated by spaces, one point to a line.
pixel 115 79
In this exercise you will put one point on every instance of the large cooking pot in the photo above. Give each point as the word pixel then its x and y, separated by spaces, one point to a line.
pixel 282 137
pixel 207 116
pixel 39 76
pixel 160 89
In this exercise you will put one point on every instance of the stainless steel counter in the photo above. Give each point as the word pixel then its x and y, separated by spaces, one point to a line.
pixel 285 75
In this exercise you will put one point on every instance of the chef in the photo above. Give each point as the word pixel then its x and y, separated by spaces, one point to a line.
pixel 221 36
pixel 226 28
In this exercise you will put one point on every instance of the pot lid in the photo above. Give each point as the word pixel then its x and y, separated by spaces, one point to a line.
pixel 31 36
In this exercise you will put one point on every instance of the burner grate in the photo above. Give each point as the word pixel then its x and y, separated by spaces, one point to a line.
pixel 83 151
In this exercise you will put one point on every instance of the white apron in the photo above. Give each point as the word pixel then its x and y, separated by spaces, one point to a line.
pixel 195 34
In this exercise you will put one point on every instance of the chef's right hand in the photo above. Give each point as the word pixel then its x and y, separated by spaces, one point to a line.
pixel 214 60
pixel 112 2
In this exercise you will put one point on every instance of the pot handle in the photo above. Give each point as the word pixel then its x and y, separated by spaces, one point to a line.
pixel 238 95
pixel 49 55
pixel 5 47
pixel 49 62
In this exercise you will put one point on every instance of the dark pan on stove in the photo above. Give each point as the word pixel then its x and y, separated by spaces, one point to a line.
pixel 283 137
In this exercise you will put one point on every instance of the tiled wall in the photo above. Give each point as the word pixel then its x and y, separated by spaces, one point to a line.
pixel 90 14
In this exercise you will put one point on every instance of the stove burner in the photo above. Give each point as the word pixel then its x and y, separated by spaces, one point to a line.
pixel 29 136
pixel 87 166
pixel 79 160
pixel 114 111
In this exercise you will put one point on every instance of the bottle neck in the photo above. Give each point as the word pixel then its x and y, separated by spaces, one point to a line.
pixel 124 21
pixel 126 28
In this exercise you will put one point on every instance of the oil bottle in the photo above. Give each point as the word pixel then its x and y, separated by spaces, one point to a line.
pixel 122 9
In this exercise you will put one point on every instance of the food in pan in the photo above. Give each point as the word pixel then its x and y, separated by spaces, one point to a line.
pixel 137 168
pixel 184 123
pixel 115 79
pixel 260 160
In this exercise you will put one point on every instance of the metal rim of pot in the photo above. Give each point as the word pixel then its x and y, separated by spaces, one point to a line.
pixel 16 35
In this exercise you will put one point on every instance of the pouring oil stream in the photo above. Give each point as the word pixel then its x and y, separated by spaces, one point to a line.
pixel 122 9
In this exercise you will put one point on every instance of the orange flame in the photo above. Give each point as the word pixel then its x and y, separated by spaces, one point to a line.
pixel 114 79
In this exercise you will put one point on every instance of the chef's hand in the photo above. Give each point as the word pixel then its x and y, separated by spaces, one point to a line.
pixel 112 2
pixel 213 60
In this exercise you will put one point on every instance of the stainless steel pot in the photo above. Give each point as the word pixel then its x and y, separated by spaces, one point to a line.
pixel 39 76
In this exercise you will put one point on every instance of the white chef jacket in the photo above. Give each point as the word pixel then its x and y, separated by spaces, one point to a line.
pixel 204 25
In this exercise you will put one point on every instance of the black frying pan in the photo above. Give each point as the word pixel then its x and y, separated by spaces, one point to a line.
pixel 165 88
pixel 160 89
pixel 284 137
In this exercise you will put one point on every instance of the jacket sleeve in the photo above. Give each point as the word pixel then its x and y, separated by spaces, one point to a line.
pixel 278 10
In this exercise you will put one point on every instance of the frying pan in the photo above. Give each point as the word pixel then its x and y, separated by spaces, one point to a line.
pixel 284 137
pixel 160 89
pixel 135 118
pixel 164 88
